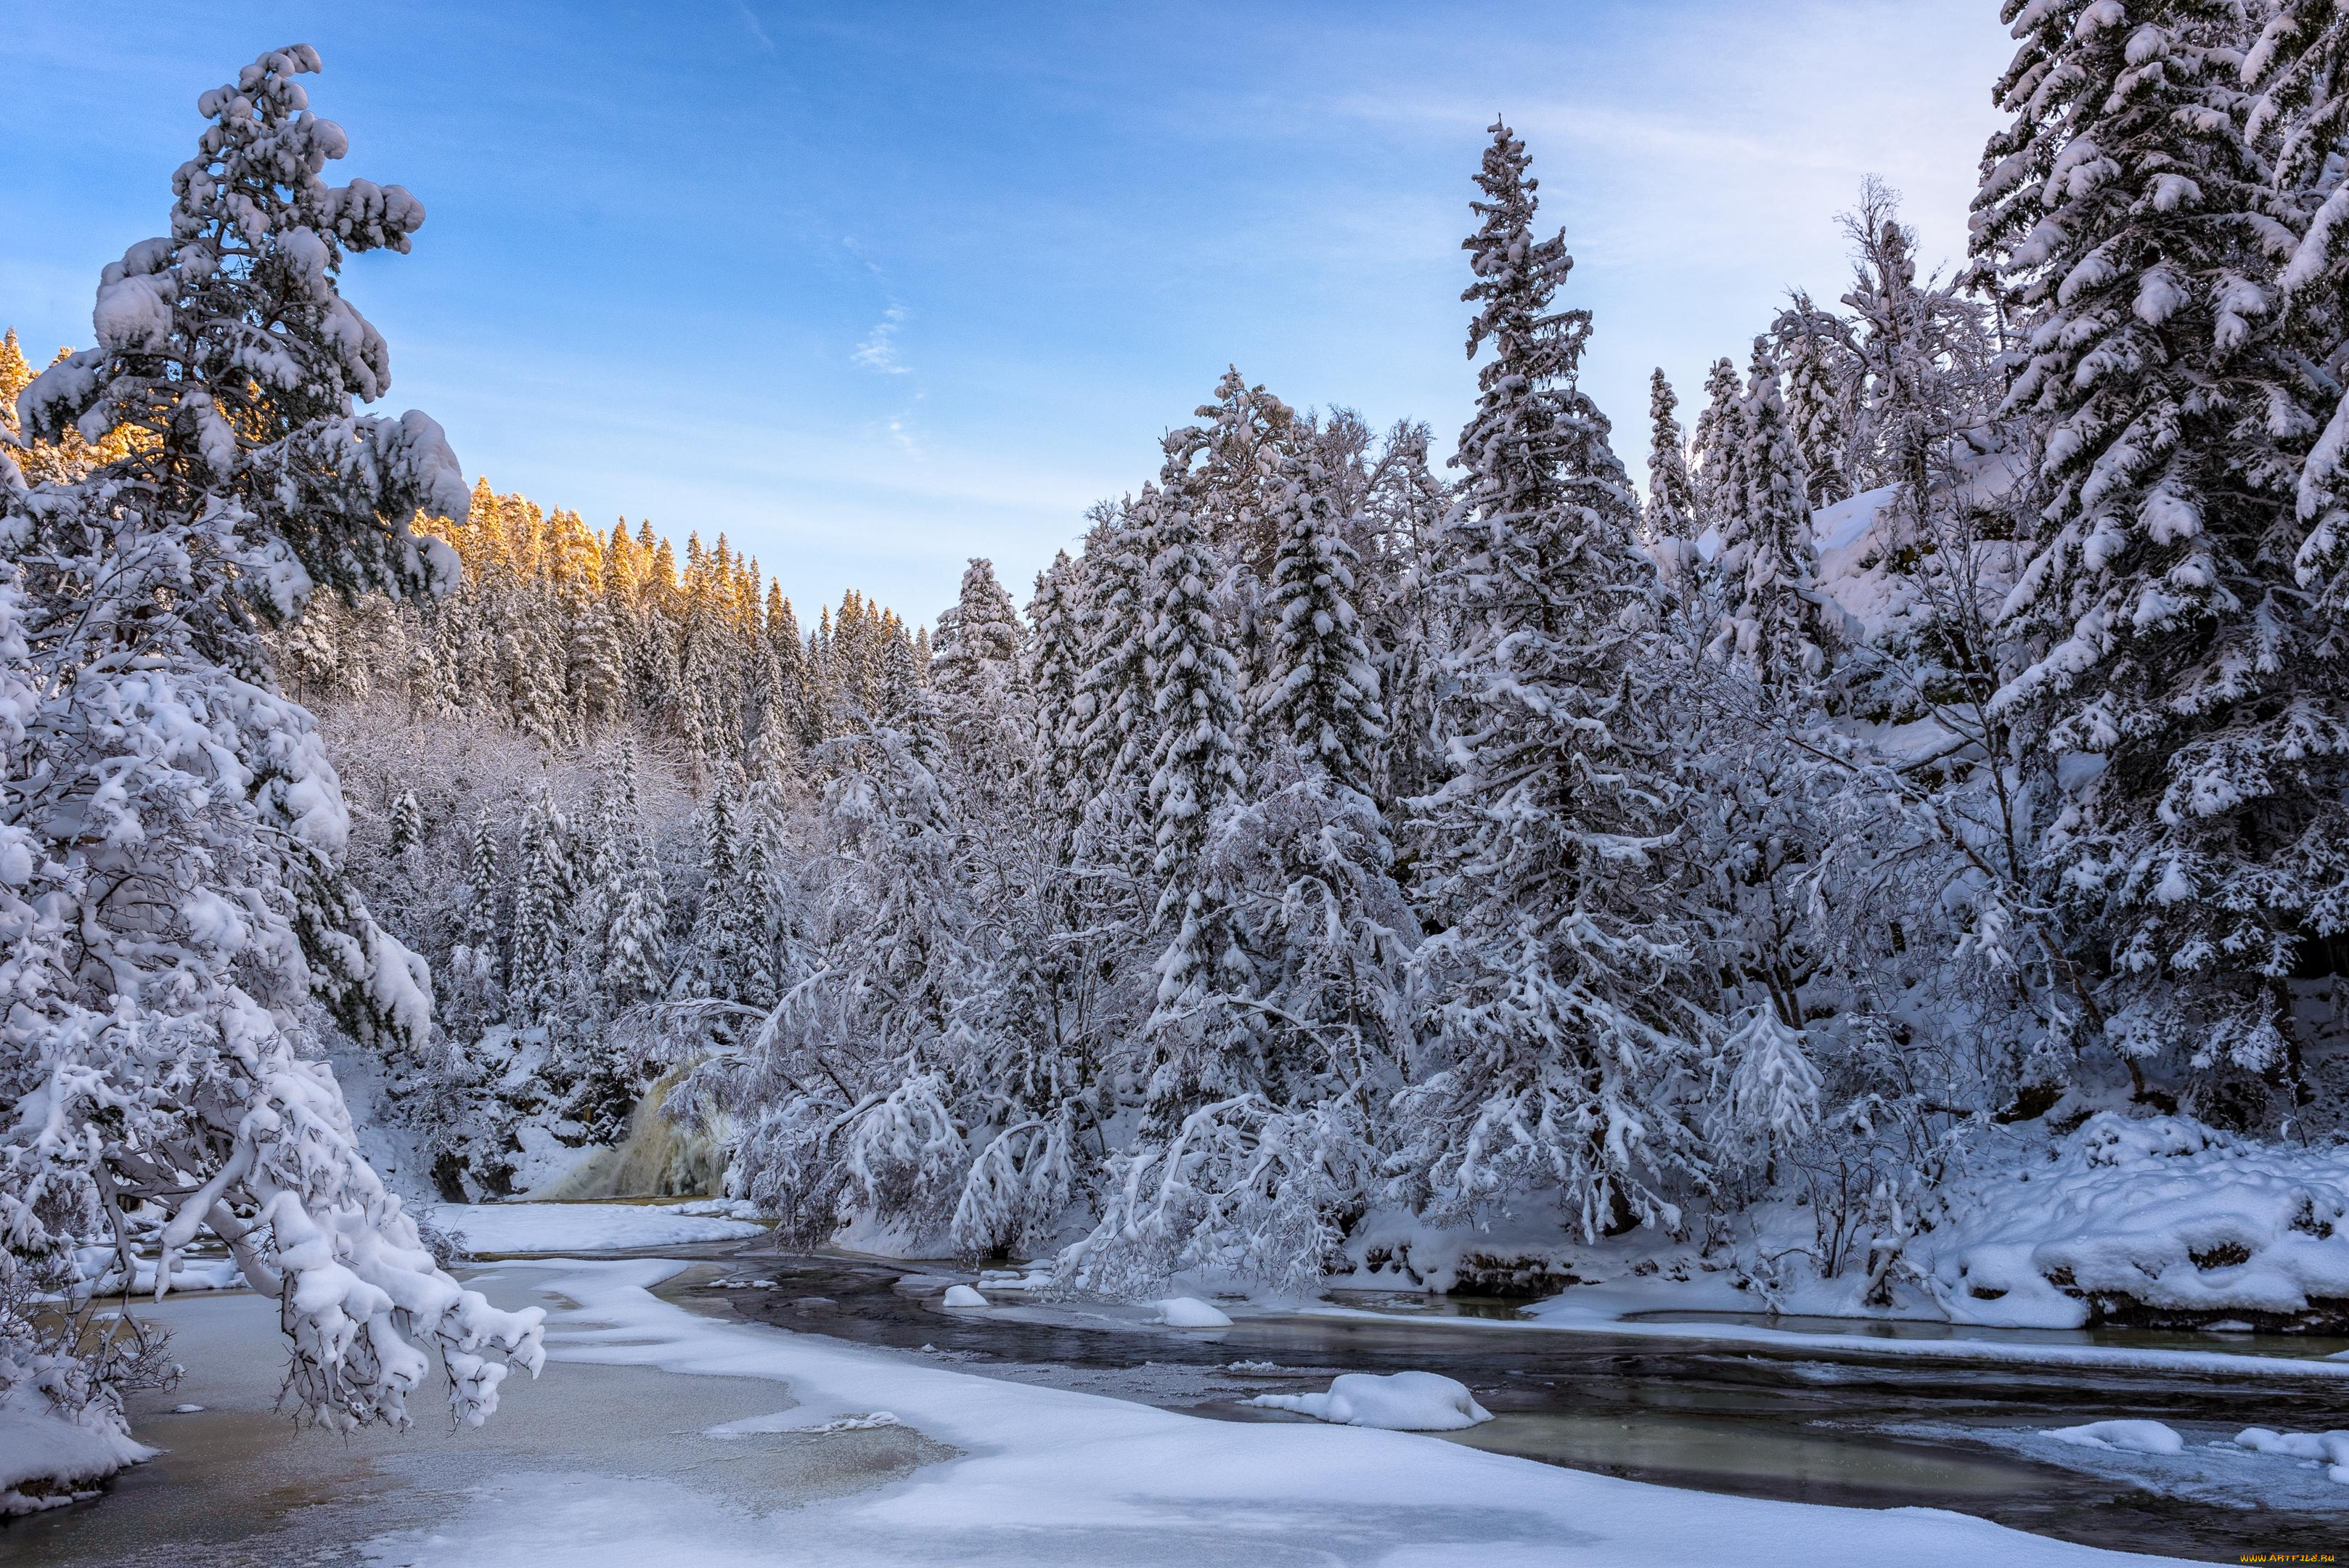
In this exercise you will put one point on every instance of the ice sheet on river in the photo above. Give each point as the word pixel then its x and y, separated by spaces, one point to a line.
pixel 566 1228
pixel 1046 1476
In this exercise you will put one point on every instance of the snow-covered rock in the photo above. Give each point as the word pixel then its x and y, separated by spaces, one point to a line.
pixel 1399 1402
pixel 963 1296
pixel 1190 1312
pixel 2161 1220
pixel 2135 1437
pixel 2330 1449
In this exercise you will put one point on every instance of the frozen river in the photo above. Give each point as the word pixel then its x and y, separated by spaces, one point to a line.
pixel 676 1424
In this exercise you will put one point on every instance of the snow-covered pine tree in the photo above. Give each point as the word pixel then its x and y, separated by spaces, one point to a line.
pixel 1671 490
pixel 1405 505
pixel 1198 768
pixel 2300 69
pixel 1051 668
pixel 1321 695
pixel 633 901
pixel 173 825
pixel 406 829
pixel 1776 621
pixel 1814 348
pixel 538 945
pixel 2183 700
pixel 1566 1003
pixel 1717 443
pixel 1226 469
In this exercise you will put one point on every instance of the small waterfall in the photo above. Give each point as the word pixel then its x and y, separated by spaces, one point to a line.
pixel 658 1158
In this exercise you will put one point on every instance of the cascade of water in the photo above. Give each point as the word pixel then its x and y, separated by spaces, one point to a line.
pixel 658 1158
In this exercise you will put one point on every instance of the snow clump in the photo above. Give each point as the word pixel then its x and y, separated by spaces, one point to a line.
pixel 1400 1402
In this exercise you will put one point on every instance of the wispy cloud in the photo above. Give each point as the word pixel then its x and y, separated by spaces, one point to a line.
pixel 750 20
pixel 878 352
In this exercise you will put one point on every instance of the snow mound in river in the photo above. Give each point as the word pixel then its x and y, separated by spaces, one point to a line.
pixel 1399 1402
pixel 2135 1437
pixel 1190 1312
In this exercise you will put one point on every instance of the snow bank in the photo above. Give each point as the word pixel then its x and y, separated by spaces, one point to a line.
pixel 1190 1312
pixel 2135 1437
pixel 1399 1402
pixel 48 1462
pixel 571 1228
pixel 2160 1219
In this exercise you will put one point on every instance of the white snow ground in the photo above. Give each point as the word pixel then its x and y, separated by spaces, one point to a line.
pixel 563 1230
pixel 1049 1477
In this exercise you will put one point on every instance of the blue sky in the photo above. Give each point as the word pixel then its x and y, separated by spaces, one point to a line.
pixel 875 288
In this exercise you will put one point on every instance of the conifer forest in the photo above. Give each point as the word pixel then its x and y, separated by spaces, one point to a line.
pixel 1864 837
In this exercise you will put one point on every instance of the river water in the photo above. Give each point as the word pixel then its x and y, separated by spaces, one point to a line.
pixel 1717 1416
pixel 1863 1429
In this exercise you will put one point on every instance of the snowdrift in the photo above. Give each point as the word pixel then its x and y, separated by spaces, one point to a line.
pixel 2155 1223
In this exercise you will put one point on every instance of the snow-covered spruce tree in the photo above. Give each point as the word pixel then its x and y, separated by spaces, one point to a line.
pixel 538 944
pixel 1198 767
pixel 727 957
pixel 1776 621
pixel 1815 349
pixel 1322 697
pixel 2300 69
pixel 407 825
pixel 1201 1043
pixel 1052 668
pixel 631 901
pixel 986 634
pixel 171 894
pixel 1717 443
pixel 1404 505
pixel 2183 691
pixel 1566 1005
pixel 477 962
pixel 1671 490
